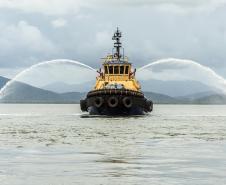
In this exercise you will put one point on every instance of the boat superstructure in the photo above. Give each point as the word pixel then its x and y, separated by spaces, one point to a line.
pixel 116 91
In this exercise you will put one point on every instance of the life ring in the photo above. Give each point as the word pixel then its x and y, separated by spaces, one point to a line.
pixel 98 102
pixel 127 102
pixel 113 102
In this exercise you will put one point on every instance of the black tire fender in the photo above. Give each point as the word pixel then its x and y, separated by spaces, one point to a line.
pixel 113 101
pixel 98 102
pixel 127 102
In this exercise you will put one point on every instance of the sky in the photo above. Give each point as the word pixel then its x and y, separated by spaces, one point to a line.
pixel 32 31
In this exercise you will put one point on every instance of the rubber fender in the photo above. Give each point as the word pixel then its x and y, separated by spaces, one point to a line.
pixel 113 102
pixel 127 102
pixel 98 102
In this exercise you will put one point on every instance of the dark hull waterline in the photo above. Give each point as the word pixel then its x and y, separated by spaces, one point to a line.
pixel 118 111
pixel 116 102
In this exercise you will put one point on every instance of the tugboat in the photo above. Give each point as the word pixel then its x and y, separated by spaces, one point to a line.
pixel 116 92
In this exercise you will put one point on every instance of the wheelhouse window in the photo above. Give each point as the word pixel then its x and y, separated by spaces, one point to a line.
pixel 110 69
pixel 127 70
pixel 121 69
pixel 116 70
pixel 106 69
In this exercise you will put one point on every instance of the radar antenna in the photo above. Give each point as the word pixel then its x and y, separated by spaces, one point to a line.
pixel 117 45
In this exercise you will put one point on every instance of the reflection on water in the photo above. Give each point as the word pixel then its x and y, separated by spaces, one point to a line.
pixel 57 144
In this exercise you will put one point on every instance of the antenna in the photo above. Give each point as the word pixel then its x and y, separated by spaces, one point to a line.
pixel 117 45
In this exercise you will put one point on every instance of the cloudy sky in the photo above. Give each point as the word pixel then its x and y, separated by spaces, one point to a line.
pixel 32 31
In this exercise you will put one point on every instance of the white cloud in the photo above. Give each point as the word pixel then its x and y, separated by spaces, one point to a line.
pixel 184 3
pixel 100 42
pixel 152 29
pixel 23 44
pixel 23 36
pixel 103 38
pixel 61 7
pixel 57 23
pixel 48 7
pixel 177 6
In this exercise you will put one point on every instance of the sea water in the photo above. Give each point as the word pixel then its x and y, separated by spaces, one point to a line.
pixel 59 145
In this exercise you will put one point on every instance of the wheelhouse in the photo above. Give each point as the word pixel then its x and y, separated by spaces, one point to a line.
pixel 117 69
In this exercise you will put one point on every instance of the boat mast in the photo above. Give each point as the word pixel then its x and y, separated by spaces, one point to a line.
pixel 117 45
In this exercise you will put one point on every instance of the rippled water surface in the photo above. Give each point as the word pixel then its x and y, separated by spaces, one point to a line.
pixel 58 145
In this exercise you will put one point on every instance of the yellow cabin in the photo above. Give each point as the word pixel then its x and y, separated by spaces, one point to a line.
pixel 116 74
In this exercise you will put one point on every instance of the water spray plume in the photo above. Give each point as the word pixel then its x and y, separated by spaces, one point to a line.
pixel 57 61
pixel 198 72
